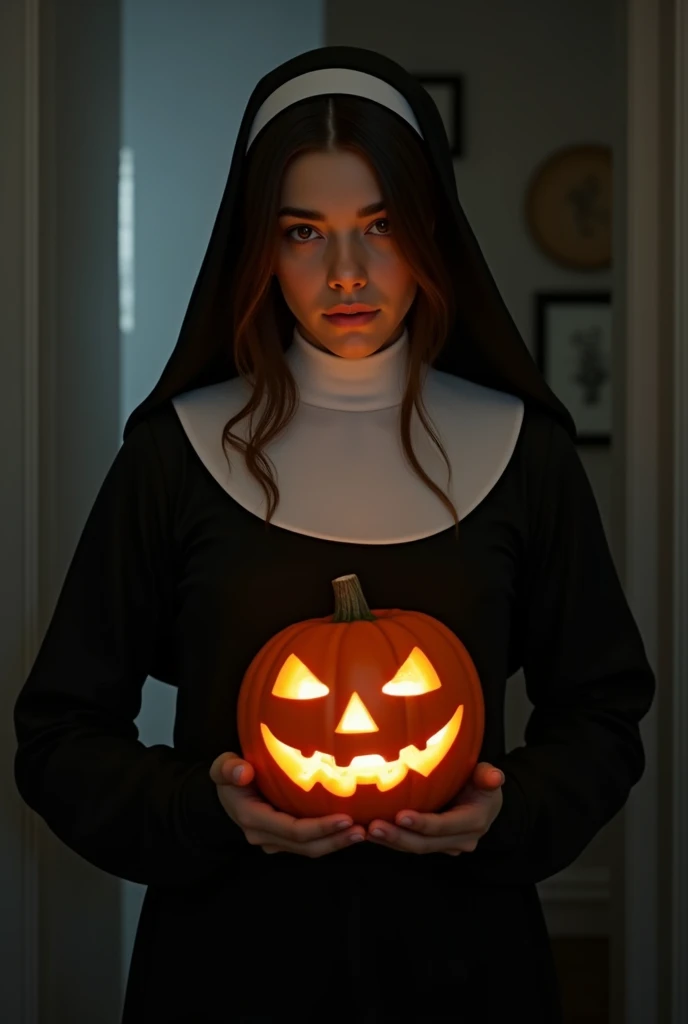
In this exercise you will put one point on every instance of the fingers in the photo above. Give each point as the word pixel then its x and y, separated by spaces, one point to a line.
pixel 230 769
pixel 306 830
pixel 263 817
pixel 486 776
pixel 455 822
pixel 410 842
pixel 335 840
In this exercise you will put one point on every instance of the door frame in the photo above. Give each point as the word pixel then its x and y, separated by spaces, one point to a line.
pixel 651 345
pixel 59 416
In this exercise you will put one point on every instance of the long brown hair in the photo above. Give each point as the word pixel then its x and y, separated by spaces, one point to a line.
pixel 262 323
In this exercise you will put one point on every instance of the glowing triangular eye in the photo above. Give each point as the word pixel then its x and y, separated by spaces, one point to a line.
pixel 296 682
pixel 415 676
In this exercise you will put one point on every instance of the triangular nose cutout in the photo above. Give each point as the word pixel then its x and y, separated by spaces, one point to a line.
pixel 356 718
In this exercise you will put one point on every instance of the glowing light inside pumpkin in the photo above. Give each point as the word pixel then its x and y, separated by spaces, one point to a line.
pixel 365 769
pixel 417 675
pixel 357 718
pixel 296 682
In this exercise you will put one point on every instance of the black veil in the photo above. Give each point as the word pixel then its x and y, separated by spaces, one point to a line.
pixel 484 346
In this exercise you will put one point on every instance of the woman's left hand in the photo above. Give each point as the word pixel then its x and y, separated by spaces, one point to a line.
pixel 455 831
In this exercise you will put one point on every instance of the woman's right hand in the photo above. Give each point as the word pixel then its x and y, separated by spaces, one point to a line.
pixel 272 830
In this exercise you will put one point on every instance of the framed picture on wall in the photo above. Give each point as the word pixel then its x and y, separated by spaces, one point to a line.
pixel 574 354
pixel 447 93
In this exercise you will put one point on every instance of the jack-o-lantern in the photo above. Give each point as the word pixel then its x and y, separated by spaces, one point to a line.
pixel 361 712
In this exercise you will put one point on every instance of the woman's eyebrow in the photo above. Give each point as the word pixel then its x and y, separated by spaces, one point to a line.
pixel 297 211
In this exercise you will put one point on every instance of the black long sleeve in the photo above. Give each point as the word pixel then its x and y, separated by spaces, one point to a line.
pixel 586 674
pixel 141 813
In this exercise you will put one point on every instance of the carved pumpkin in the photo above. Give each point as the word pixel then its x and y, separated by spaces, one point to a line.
pixel 362 712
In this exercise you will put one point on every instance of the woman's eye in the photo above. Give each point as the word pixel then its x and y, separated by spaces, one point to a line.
pixel 306 227
pixel 299 227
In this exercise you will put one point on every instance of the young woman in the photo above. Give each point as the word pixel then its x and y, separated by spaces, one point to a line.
pixel 289 441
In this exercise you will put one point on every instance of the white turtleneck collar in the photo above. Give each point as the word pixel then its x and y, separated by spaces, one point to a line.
pixel 345 477
pixel 328 381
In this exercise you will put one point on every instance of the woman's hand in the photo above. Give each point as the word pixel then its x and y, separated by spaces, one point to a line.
pixel 272 830
pixel 455 831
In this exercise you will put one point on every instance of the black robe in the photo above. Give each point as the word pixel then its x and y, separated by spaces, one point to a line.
pixel 173 578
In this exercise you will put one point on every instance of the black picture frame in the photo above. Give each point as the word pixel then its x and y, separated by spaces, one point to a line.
pixel 573 339
pixel 447 91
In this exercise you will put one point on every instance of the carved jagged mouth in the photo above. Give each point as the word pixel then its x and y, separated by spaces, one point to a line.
pixel 365 769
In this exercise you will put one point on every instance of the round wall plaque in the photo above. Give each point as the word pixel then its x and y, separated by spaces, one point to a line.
pixel 569 207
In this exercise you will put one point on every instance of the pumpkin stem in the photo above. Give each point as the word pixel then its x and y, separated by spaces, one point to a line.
pixel 349 603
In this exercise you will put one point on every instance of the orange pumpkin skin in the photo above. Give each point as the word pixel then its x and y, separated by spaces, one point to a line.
pixel 342 667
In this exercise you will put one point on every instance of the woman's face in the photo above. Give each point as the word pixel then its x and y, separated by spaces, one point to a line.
pixel 335 248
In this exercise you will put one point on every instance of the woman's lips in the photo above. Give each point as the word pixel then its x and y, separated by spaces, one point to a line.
pixel 351 319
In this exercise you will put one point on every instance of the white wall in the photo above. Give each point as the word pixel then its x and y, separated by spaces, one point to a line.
pixel 188 69
pixel 537 76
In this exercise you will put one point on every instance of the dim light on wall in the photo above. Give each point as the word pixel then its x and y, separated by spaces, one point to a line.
pixel 125 240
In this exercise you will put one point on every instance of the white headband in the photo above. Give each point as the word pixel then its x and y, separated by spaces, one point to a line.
pixel 331 80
